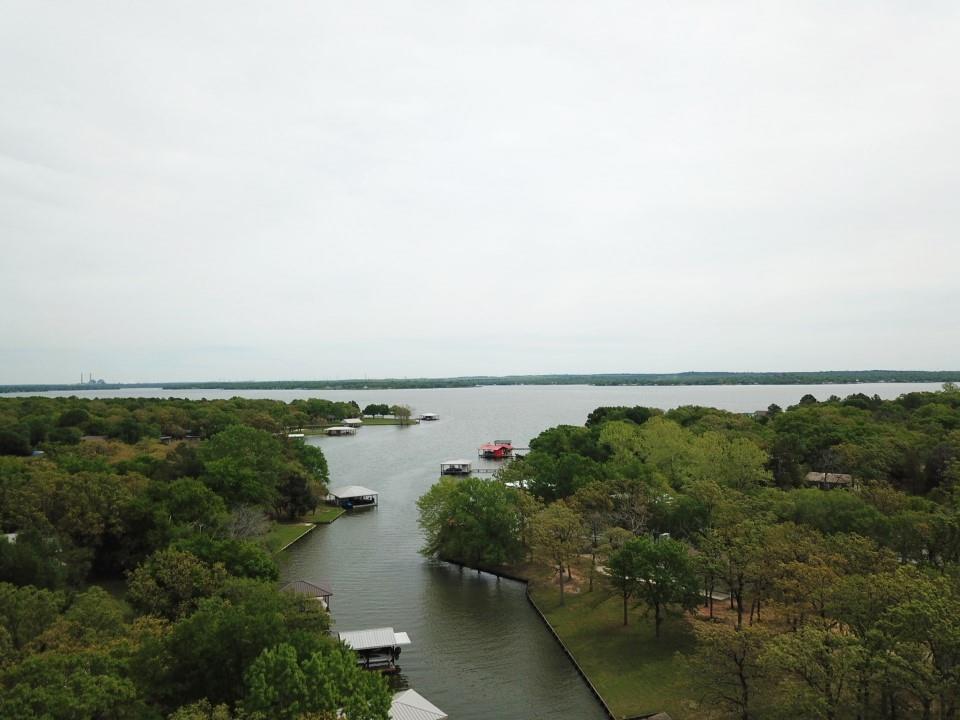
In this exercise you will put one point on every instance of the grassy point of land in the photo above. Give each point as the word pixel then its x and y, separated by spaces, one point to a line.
pixel 324 516
pixel 633 671
pixel 389 421
pixel 283 535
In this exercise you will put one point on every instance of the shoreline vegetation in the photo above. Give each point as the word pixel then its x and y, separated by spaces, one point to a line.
pixel 139 574
pixel 824 377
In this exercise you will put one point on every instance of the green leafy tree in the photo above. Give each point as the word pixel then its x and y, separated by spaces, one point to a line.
pixel 241 558
pixel 89 684
pixel 559 536
pixel 402 413
pixel 14 441
pixel 327 682
pixel 622 565
pixel 594 504
pixel 666 576
pixel 473 521
pixel 207 653
pixel 728 668
pixel 171 583
pixel 243 465
pixel 824 663
pixel 26 612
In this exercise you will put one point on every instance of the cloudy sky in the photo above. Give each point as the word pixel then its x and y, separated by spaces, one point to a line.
pixel 233 190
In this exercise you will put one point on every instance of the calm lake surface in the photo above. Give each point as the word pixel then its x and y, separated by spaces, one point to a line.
pixel 479 650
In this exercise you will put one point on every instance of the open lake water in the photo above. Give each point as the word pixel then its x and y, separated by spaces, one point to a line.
pixel 478 649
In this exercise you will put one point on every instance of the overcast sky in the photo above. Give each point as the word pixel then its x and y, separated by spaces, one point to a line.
pixel 229 190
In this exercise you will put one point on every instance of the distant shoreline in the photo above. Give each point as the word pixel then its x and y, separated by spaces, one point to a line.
pixel 825 377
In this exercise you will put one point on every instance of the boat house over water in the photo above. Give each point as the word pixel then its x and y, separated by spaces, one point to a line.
pixel 353 422
pixel 429 417
pixel 411 705
pixel 351 496
pixel 456 467
pixel 320 592
pixel 377 648
pixel 496 450
pixel 341 430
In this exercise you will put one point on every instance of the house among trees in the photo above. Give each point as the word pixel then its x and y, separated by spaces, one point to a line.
pixel 829 481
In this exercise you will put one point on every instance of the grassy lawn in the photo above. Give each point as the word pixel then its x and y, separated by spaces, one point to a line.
pixel 324 515
pixel 282 534
pixel 633 671
pixel 388 421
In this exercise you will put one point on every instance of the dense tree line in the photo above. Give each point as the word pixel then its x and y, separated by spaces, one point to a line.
pixel 194 625
pixel 805 602
pixel 27 423
pixel 643 379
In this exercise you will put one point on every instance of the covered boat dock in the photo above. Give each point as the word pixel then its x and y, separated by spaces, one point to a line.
pixel 351 496
pixel 496 450
pixel 456 467
pixel 377 648
pixel 315 591
pixel 341 430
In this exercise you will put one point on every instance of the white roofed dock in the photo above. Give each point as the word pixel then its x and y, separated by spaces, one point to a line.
pixel 377 648
pixel 411 705
pixel 350 496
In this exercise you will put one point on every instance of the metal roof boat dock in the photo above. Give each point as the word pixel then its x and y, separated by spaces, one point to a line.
pixel 315 591
pixel 350 496
pixel 411 705
pixel 352 422
pixel 456 467
pixel 341 430
pixel 429 417
pixel 377 648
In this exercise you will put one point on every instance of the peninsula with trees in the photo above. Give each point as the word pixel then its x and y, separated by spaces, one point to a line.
pixel 696 562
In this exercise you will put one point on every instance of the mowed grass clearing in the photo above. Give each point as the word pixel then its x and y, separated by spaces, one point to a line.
pixel 632 670
pixel 282 534
pixel 324 516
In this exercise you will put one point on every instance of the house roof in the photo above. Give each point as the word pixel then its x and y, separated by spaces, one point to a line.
pixel 352 491
pixel 411 705
pixel 374 638
pixel 831 478
pixel 495 445
pixel 305 587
